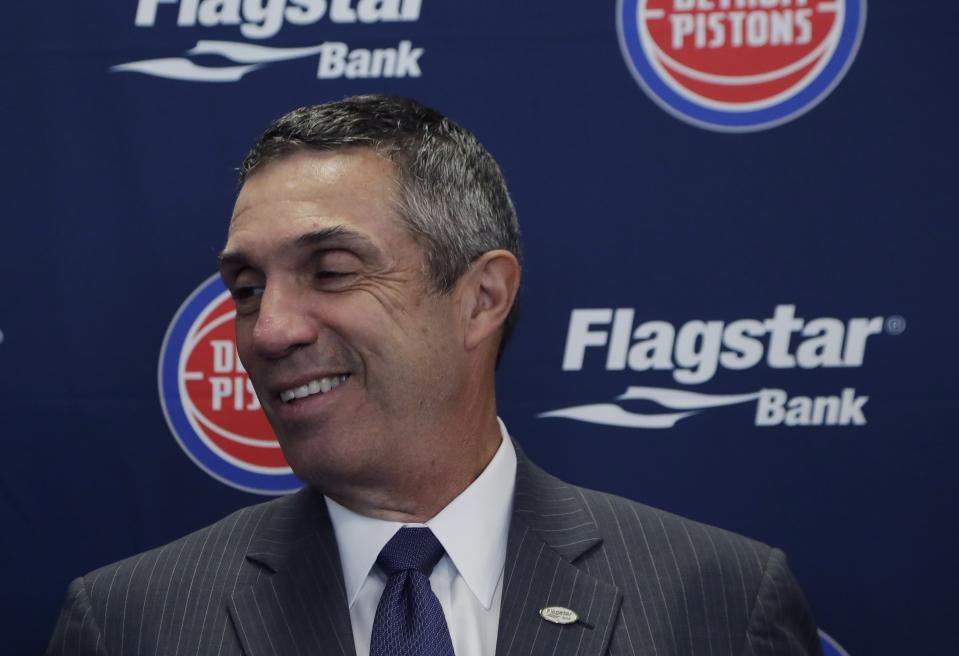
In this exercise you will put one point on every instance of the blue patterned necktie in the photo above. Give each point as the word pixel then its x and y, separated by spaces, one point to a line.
pixel 409 619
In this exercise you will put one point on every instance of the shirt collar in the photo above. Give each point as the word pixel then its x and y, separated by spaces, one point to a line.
pixel 472 528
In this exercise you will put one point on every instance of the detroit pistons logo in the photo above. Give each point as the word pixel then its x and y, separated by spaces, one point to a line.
pixel 208 399
pixel 739 65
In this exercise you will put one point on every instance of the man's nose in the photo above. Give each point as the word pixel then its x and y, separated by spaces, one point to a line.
pixel 283 323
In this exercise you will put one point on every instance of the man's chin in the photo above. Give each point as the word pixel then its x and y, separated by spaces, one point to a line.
pixel 323 473
pixel 331 459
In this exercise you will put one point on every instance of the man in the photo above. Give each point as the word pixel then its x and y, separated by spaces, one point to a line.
pixel 373 255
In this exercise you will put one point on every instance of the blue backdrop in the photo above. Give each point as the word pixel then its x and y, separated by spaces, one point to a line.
pixel 738 262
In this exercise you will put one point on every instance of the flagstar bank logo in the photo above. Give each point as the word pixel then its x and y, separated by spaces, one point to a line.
pixel 209 402
pixel 696 350
pixel 229 61
pixel 739 65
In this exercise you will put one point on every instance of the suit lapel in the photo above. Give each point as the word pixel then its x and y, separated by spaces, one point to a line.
pixel 298 605
pixel 549 531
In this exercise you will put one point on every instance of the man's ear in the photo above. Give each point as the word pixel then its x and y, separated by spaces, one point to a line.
pixel 491 285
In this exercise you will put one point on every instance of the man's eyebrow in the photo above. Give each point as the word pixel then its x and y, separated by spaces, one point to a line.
pixel 309 239
pixel 338 232
pixel 230 259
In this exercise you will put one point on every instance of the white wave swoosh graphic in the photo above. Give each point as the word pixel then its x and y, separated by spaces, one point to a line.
pixel 610 414
pixel 178 68
pixel 683 400
pixel 248 53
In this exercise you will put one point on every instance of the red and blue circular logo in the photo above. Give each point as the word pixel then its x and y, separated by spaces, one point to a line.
pixel 208 399
pixel 739 65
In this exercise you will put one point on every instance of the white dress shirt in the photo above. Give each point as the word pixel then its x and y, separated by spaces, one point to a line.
pixel 468 579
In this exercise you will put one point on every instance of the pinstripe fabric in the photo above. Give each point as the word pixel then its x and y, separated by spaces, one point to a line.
pixel 267 581
pixel 645 582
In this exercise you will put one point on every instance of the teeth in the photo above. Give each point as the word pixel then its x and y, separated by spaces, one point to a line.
pixel 318 386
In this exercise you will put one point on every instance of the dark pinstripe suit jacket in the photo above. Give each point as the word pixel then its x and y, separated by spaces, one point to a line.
pixel 267 580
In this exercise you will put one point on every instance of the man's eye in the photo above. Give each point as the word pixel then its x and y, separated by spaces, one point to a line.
pixel 246 293
pixel 334 265
pixel 334 274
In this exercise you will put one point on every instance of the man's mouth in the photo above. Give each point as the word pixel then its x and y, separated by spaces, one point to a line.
pixel 318 386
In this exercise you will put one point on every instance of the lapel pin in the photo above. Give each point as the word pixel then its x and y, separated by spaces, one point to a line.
pixel 558 615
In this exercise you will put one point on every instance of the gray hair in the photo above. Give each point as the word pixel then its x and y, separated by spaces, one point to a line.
pixel 452 196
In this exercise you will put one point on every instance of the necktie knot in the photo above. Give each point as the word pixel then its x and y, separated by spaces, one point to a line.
pixel 412 548
pixel 409 619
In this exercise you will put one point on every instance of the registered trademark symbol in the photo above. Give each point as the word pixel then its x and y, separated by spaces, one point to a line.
pixel 895 325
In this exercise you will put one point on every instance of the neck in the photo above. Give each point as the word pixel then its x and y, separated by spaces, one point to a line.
pixel 442 469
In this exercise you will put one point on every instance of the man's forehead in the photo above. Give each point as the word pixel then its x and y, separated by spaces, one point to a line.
pixel 307 190
pixel 298 170
pixel 353 181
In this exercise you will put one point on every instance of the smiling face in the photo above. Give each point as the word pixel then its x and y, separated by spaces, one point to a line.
pixel 358 366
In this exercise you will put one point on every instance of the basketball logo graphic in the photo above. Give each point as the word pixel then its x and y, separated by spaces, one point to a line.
pixel 739 65
pixel 208 399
